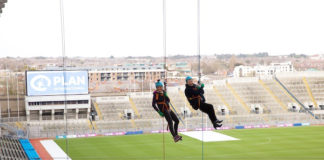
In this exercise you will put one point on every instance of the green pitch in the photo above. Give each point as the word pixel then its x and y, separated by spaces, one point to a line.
pixel 295 143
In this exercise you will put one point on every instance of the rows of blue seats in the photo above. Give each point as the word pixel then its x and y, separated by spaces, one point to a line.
pixel 133 132
pixel 29 149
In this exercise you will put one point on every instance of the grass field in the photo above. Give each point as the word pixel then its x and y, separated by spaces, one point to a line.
pixel 295 143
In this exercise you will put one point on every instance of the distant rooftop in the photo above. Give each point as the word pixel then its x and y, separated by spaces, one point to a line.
pixel 123 67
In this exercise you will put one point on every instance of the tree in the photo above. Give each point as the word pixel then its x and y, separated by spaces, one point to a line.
pixel 232 63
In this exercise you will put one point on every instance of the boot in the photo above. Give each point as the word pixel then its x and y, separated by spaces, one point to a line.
pixel 215 124
pixel 219 121
pixel 177 138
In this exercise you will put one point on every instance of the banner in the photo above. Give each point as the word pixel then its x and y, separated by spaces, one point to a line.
pixel 56 82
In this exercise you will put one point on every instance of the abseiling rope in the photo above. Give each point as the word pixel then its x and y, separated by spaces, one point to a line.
pixel 199 75
pixel 164 66
pixel 64 73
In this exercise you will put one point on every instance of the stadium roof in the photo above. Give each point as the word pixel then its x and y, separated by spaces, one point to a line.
pixel 2 5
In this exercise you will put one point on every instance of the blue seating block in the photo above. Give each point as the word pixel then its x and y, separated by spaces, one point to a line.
pixel 29 149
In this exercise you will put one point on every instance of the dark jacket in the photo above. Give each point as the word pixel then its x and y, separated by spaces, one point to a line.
pixel 194 91
pixel 159 97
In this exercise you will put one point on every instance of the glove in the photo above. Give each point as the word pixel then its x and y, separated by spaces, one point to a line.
pixel 161 113
pixel 200 86
pixel 165 94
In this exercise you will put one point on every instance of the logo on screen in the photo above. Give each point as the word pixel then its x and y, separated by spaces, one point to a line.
pixel 40 83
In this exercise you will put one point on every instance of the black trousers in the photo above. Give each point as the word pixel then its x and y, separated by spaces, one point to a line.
pixel 209 109
pixel 170 116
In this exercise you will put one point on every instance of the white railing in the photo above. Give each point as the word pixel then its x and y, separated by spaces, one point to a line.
pixel 112 99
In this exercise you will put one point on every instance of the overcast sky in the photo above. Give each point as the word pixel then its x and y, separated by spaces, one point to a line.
pixel 134 27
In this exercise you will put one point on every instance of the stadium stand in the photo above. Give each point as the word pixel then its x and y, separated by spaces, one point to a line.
pixel 316 85
pixel 143 102
pixel 114 126
pixel 298 88
pixel 180 104
pixel 113 111
pixel 39 129
pixel 230 99
pixel 235 101
pixel 113 108
pixel 216 101
pixel 11 149
pixel 29 149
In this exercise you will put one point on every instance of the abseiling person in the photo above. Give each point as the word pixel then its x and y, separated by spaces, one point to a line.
pixel 195 96
pixel 160 103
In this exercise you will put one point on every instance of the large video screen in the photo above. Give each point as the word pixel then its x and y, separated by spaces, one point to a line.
pixel 56 82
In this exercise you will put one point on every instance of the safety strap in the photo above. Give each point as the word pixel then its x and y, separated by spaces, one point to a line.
pixel 196 97
pixel 165 106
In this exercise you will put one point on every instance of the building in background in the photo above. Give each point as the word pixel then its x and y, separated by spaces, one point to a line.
pixel 260 70
pixel 126 72
pixel 179 69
